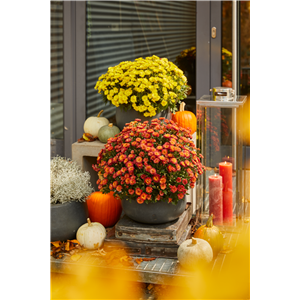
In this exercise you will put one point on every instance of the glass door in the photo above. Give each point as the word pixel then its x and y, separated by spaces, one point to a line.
pixel 227 134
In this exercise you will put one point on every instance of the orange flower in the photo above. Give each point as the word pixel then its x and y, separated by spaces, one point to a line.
pixel 104 181
pixel 115 183
pixel 163 186
pixel 184 181
pixel 138 159
pixel 156 160
pixel 171 168
pixel 163 180
pixel 156 178
pixel 152 171
pixel 132 181
pixel 149 189
pixel 173 160
pixel 148 180
pixel 138 191
pixel 164 152
pixel 180 195
pixel 162 158
pixel 144 196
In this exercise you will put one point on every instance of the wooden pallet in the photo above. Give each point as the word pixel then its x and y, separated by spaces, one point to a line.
pixel 160 240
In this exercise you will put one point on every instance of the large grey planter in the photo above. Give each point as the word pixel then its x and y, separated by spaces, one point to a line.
pixel 66 218
pixel 123 117
pixel 153 213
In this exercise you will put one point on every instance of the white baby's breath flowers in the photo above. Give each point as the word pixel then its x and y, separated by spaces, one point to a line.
pixel 68 182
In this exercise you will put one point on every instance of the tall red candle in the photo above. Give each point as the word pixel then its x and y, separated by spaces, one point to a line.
pixel 216 198
pixel 225 170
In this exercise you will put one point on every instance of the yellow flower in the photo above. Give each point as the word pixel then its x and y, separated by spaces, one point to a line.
pixel 124 98
pixel 133 99
pixel 164 103
pixel 128 92
pixel 147 103
pixel 155 97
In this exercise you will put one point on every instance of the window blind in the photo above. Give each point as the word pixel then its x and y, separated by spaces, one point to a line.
pixel 119 31
pixel 56 70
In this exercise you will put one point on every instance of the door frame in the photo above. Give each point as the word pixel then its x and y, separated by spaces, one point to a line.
pixel 208 49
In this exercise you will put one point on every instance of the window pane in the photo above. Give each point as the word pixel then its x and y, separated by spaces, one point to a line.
pixel 57 70
pixel 123 31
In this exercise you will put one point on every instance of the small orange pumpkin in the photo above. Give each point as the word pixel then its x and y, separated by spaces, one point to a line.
pixel 104 208
pixel 185 119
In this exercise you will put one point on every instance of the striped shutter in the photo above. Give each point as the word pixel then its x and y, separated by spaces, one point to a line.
pixel 119 31
pixel 56 70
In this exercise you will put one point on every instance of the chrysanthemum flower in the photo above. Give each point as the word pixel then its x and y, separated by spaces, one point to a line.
pixel 150 169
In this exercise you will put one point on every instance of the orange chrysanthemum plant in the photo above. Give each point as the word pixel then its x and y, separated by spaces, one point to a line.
pixel 149 162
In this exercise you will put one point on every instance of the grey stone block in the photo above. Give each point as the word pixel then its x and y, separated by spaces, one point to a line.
pixel 85 154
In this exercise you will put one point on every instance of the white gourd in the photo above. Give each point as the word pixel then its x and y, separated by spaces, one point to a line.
pixel 93 124
pixel 91 235
pixel 194 253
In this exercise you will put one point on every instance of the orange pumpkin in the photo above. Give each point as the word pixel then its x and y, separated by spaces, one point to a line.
pixel 104 208
pixel 185 119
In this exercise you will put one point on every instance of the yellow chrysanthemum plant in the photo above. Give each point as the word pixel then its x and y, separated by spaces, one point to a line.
pixel 148 85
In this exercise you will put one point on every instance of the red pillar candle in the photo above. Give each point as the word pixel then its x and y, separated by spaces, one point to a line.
pixel 216 198
pixel 229 159
pixel 225 170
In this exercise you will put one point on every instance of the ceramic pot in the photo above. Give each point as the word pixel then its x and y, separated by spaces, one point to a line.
pixel 123 117
pixel 153 213
pixel 66 218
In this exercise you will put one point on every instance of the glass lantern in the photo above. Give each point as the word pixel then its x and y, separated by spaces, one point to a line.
pixel 220 139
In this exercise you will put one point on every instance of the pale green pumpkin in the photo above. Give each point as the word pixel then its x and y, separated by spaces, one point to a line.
pixel 107 131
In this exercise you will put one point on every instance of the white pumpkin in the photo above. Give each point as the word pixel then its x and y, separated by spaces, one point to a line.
pixel 91 235
pixel 93 124
pixel 194 253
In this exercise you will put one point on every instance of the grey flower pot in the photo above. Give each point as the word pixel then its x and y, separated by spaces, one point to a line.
pixel 66 218
pixel 153 213
pixel 123 117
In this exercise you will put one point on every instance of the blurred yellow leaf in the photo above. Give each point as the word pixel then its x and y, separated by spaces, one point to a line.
pixel 75 257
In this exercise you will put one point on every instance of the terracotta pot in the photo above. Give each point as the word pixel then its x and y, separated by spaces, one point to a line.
pixel 153 213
